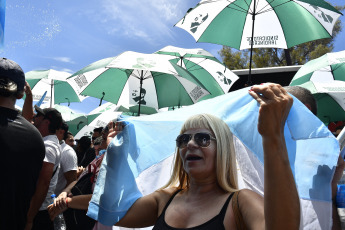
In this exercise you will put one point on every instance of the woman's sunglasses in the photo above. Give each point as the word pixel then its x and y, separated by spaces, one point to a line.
pixel 201 139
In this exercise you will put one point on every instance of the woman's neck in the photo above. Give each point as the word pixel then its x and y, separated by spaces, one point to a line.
pixel 204 189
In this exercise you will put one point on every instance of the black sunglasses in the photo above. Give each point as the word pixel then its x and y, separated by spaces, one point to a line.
pixel 202 139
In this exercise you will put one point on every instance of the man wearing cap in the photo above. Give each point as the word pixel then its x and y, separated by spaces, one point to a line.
pixel 85 151
pixel 21 145
pixel 68 162
pixel 47 121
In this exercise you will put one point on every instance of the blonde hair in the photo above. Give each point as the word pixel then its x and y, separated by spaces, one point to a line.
pixel 225 158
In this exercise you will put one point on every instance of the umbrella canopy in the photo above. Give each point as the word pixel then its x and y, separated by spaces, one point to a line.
pixel 138 79
pixel 95 121
pixel 79 123
pixel 126 109
pixel 330 98
pixel 204 66
pixel 54 83
pixel 133 110
pixel 325 78
pixel 244 24
pixel 108 106
pixel 328 67
pixel 75 121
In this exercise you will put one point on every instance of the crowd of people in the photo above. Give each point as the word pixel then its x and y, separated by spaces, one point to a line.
pixel 202 192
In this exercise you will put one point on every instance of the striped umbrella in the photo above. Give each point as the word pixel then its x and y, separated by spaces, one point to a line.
pixel 54 83
pixel 216 78
pixel 325 78
pixel 138 79
pixel 244 24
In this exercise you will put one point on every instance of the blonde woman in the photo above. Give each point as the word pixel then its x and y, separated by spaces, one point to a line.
pixel 200 193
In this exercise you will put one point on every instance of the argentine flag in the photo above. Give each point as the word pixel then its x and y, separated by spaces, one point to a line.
pixel 138 161
pixel 2 21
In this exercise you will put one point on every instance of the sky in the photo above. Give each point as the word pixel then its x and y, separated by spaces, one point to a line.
pixel 69 35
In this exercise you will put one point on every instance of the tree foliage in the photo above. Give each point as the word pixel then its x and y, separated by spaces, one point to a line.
pixel 270 57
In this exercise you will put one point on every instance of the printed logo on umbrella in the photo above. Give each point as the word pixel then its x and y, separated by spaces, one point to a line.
pixel 141 63
pixel 136 97
pixel 263 40
pixel 327 18
pixel 223 78
pixel 81 80
pixel 196 93
pixel 198 21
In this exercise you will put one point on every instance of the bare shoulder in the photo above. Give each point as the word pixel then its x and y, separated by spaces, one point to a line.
pixel 246 196
pixel 251 206
pixel 145 211
pixel 162 197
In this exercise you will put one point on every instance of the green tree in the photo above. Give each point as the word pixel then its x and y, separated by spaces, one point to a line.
pixel 270 57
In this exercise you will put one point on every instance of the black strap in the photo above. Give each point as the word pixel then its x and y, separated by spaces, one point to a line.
pixel 171 198
pixel 55 171
pixel 225 206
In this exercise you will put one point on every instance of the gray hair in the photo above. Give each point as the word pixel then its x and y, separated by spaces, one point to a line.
pixel 304 95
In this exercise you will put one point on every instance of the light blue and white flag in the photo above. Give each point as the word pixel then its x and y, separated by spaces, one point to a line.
pixel 39 103
pixel 2 21
pixel 138 161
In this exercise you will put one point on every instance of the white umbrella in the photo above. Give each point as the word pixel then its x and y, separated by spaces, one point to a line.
pixel 214 75
pixel 52 83
pixel 138 79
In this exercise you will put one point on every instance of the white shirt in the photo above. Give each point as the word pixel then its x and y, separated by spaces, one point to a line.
pixel 53 155
pixel 68 163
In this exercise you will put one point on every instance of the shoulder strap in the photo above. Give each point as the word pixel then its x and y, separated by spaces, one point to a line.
pixel 237 213
pixel 171 198
pixel 225 206
pixel 55 171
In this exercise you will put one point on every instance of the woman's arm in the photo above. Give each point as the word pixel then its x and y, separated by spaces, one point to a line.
pixel 60 201
pixel 144 212
pixel 75 202
pixel 281 201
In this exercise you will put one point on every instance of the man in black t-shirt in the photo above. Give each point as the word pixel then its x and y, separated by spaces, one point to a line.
pixel 21 149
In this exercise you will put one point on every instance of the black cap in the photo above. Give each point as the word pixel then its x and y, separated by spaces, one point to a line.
pixel 85 142
pixel 64 126
pixel 11 70
pixel 52 115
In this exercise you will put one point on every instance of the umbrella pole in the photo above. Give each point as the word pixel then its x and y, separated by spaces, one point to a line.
pixel 249 82
pixel 141 86
pixel 51 93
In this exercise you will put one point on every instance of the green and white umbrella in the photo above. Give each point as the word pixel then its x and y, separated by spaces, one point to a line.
pixel 96 120
pixel 54 83
pixel 330 98
pixel 325 78
pixel 216 78
pixel 138 79
pixel 244 24
pixel 75 121
pixel 78 124
pixel 126 109
pixel 328 67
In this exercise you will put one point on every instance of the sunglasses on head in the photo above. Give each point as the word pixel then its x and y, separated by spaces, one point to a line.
pixel 201 139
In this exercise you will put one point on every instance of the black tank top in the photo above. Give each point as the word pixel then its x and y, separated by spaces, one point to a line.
pixel 215 223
